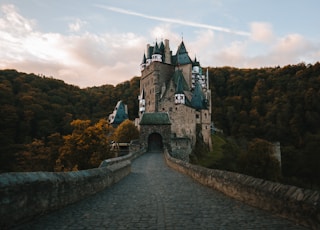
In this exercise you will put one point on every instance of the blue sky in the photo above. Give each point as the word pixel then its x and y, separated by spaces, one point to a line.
pixel 91 43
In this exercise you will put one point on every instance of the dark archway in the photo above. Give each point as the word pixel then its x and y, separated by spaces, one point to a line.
pixel 155 143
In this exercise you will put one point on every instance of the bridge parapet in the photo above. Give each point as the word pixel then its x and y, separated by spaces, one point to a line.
pixel 131 156
pixel 299 205
pixel 24 196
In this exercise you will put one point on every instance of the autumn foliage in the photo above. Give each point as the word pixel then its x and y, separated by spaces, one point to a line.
pixel 126 132
pixel 86 147
pixel 44 121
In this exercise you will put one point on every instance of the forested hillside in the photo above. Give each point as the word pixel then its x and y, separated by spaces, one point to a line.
pixel 274 104
pixel 40 108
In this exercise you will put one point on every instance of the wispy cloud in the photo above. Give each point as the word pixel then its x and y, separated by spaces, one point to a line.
pixel 173 20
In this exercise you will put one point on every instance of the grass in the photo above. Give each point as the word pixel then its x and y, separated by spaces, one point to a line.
pixel 212 157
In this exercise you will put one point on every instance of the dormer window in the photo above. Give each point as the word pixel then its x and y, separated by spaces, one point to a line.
pixel 179 99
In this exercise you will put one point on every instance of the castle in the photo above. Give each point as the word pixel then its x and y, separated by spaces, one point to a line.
pixel 174 100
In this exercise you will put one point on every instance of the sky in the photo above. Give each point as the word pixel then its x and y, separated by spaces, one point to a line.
pixel 93 43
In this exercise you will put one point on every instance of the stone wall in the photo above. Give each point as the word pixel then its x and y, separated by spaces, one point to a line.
pixel 299 205
pixel 163 130
pixel 181 148
pixel 24 196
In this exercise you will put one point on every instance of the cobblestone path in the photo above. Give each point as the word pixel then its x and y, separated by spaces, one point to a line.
pixel 154 196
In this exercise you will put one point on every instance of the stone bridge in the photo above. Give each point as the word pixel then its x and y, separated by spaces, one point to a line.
pixel 154 196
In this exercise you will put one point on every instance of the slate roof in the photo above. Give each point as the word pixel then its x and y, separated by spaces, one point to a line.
pixel 156 49
pixel 198 99
pixel 180 82
pixel 182 56
pixel 155 119
pixel 119 114
pixel 144 59
pixel 195 62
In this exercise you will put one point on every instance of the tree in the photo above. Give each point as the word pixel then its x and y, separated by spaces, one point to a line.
pixel 86 147
pixel 259 161
pixel 126 132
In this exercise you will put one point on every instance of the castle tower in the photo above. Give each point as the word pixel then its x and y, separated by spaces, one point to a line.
pixel 156 56
pixel 175 85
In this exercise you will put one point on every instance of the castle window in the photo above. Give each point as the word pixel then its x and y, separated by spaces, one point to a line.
pixel 170 109
pixel 176 108
pixel 197 116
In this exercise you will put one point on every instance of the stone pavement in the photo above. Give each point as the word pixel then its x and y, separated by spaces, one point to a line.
pixel 154 196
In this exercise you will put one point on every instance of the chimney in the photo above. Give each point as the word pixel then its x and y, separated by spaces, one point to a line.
pixel 167 52
pixel 148 51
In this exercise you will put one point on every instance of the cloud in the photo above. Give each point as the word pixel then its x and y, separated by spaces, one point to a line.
pixel 261 32
pixel 90 59
pixel 83 60
pixel 18 24
pixel 234 54
pixel 77 25
pixel 173 20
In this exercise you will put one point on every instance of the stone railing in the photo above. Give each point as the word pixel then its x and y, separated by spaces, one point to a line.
pixel 131 156
pixel 299 205
pixel 24 196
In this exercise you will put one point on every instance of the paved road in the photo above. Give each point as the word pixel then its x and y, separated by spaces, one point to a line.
pixel 154 196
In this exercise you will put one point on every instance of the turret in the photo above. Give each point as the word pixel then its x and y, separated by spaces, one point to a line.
pixel 149 53
pixel 156 56
pixel 143 63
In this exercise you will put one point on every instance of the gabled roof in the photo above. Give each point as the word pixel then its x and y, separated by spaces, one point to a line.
pixel 179 81
pixel 161 47
pixel 198 99
pixel 156 49
pixel 182 48
pixel 195 62
pixel 179 86
pixel 182 56
pixel 119 114
pixel 155 119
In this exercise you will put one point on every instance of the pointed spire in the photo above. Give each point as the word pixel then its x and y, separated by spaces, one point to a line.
pixel 179 87
pixel 195 62
pixel 156 49
pixel 144 59
pixel 198 99
pixel 182 56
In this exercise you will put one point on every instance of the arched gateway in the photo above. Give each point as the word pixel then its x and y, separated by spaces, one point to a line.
pixel 155 143
pixel 155 131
